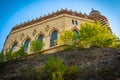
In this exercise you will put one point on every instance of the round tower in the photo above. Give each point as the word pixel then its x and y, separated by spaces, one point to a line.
pixel 96 15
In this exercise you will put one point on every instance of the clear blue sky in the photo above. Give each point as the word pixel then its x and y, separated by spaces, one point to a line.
pixel 13 12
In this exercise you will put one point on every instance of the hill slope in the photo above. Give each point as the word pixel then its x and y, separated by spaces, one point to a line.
pixel 106 61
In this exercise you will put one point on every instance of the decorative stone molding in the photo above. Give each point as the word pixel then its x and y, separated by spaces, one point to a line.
pixel 22 36
pixel 47 28
pixel 34 32
pixel 40 33
pixel 54 29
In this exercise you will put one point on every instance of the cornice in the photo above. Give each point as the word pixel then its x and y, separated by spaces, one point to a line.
pixel 53 14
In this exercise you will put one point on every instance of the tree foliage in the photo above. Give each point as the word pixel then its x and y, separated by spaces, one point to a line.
pixel 94 34
pixel 66 38
pixel 90 34
pixel 9 55
pixel 55 68
pixel 19 53
pixel 36 46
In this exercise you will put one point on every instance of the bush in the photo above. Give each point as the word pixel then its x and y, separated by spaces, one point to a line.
pixel 8 55
pixel 116 43
pixel 67 38
pixel 94 34
pixel 71 73
pixel 19 53
pixel 36 46
pixel 55 68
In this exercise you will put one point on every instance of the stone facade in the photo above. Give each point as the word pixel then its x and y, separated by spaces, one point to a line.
pixel 57 21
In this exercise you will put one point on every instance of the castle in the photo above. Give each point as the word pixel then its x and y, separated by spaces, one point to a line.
pixel 48 28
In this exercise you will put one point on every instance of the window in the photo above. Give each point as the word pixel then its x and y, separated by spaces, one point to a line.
pixel 53 38
pixel 26 45
pixel 76 22
pixel 73 22
pixel 14 47
pixel 76 35
pixel 40 38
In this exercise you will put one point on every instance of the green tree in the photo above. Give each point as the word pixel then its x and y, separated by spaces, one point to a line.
pixel 95 34
pixel 19 53
pixel 71 73
pixel 66 38
pixel 116 43
pixel 55 68
pixel 7 55
pixel 36 46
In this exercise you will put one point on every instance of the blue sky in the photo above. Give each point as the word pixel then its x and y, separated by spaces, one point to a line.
pixel 14 12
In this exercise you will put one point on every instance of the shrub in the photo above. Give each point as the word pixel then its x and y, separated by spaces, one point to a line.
pixel 71 73
pixel 66 38
pixel 55 68
pixel 94 34
pixel 36 46
pixel 19 53
pixel 116 43
pixel 8 55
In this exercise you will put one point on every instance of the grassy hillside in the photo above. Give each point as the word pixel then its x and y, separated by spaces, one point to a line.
pixel 93 63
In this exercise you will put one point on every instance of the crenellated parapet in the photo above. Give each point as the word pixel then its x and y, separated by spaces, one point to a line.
pixel 49 15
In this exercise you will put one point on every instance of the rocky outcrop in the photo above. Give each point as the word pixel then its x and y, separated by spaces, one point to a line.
pixel 98 63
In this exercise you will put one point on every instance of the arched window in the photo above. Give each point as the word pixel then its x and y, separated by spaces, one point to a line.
pixel 53 38
pixel 26 45
pixel 14 46
pixel 76 34
pixel 40 38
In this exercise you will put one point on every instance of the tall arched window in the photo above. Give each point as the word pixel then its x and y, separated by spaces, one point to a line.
pixel 26 45
pixel 53 39
pixel 14 46
pixel 40 38
pixel 76 34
